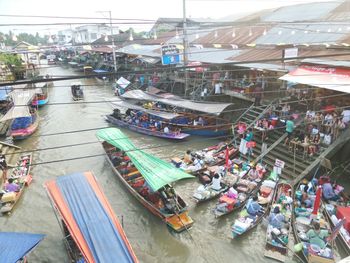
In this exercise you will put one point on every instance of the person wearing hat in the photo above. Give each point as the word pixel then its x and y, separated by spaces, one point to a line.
pixel 276 219
pixel 317 236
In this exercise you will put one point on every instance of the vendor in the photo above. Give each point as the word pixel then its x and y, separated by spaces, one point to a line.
pixel 216 182
pixel 187 158
pixel 317 236
pixel 11 186
pixel 253 207
pixel 276 219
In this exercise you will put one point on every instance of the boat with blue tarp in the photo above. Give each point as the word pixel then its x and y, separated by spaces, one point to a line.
pixel 91 229
pixel 25 119
pixel 14 247
pixel 41 94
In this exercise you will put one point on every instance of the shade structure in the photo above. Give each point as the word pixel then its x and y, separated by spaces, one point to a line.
pixel 207 107
pixel 89 218
pixel 156 172
pixel 14 246
pixel 20 99
pixel 337 79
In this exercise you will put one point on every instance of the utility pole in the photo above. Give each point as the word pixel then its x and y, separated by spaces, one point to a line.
pixel 185 44
pixel 114 61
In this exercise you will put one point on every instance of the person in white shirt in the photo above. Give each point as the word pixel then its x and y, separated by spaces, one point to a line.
pixel 166 129
pixel 216 182
pixel 346 116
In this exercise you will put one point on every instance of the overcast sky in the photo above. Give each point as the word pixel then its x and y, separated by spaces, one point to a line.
pixel 127 9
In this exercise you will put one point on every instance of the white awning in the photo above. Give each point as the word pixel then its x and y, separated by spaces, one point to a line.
pixel 207 107
pixel 123 105
pixel 337 79
pixel 16 112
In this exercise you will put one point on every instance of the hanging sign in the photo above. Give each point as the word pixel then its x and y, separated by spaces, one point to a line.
pixel 170 54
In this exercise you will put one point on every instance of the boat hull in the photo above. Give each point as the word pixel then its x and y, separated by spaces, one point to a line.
pixel 178 223
pixel 40 103
pixel 21 134
pixel 206 132
pixel 134 128
pixel 25 179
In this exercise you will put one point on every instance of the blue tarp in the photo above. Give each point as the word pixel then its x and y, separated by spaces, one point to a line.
pixel 14 246
pixel 4 91
pixel 22 123
pixel 101 235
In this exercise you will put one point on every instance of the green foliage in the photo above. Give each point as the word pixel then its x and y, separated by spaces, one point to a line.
pixel 12 60
pixel 29 38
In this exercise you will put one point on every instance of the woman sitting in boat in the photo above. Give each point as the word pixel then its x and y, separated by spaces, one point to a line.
pixel 317 236
pixel 216 182
pixel 11 186
pixel 253 207
pixel 169 199
pixel 276 219
pixel 329 193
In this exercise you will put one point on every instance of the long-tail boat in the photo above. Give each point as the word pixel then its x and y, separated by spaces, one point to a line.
pixel 41 94
pixel 277 237
pixel 302 222
pixel 247 222
pixel 92 232
pixel 24 118
pixel 147 178
pixel 147 127
pixel 236 197
pixel 195 117
pixel 20 176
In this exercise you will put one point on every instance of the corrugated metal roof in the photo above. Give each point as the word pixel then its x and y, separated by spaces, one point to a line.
pixel 212 55
pixel 142 50
pixel 303 34
pixel 233 36
pixel 302 12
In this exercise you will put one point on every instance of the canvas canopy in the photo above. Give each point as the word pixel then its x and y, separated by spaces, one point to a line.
pixel 337 79
pixel 21 99
pixel 14 246
pixel 123 83
pixel 123 105
pixel 90 219
pixel 207 107
pixel 156 172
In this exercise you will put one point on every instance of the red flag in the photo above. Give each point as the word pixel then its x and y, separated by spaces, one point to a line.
pixel 227 157
pixel 317 200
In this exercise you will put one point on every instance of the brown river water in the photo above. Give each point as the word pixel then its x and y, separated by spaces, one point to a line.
pixel 209 240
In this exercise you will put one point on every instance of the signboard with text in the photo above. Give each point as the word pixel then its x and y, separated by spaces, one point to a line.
pixel 170 55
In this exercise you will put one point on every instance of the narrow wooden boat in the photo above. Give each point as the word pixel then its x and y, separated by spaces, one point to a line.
pixel 302 223
pixel 246 222
pixel 42 94
pixel 137 176
pixel 333 216
pixel 121 123
pixel 277 238
pixel 205 192
pixel 22 177
pixel 23 133
pixel 92 232
pixel 77 91
pixel 247 184
pixel 211 156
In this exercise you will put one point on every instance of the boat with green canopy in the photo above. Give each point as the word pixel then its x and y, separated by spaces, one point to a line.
pixel 147 177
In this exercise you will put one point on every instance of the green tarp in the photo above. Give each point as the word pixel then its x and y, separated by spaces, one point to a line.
pixel 156 172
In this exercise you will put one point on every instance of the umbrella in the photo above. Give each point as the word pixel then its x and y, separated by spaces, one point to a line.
pixel 317 200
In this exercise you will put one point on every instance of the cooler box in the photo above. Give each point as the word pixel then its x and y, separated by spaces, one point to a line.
pixel 176 161
pixel 344 212
pixel 8 197
pixel 265 191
